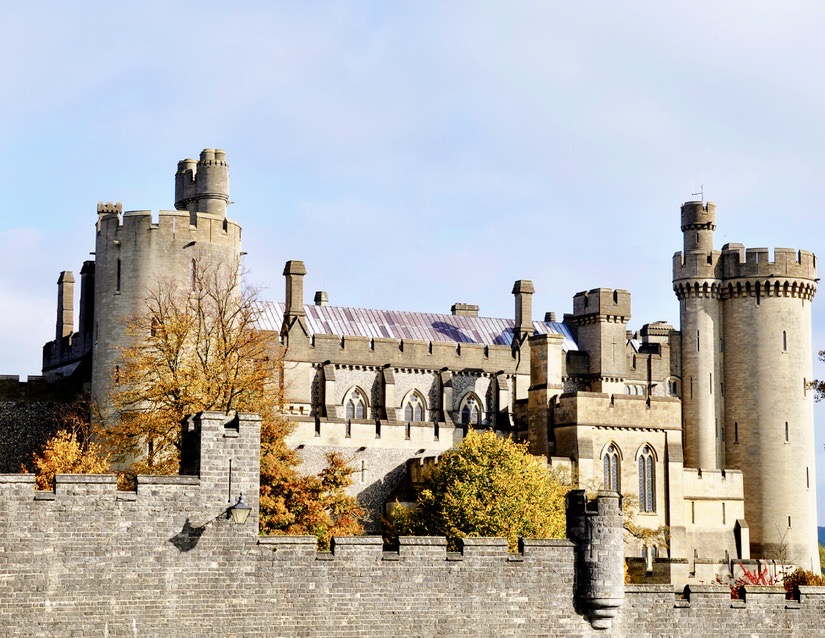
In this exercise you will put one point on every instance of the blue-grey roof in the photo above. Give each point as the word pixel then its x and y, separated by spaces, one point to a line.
pixel 395 324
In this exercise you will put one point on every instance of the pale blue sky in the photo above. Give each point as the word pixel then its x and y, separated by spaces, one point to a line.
pixel 415 154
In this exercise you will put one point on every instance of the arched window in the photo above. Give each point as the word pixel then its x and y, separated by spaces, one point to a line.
pixel 611 468
pixel 413 407
pixel 647 483
pixel 355 404
pixel 470 410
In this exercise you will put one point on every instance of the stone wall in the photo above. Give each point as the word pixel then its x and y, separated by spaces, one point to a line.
pixel 88 560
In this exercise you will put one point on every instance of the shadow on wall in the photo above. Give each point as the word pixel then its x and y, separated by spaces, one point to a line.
pixel 187 539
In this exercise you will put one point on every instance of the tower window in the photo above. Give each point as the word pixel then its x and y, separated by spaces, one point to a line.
pixel 784 341
pixel 736 433
pixel 724 515
pixel 611 468
pixel 117 276
pixel 711 381
pixel 697 342
pixel 787 433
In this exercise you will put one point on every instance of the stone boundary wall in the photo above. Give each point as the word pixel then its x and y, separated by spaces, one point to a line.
pixel 164 561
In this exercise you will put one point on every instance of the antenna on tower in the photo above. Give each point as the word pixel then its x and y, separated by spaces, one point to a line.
pixel 701 192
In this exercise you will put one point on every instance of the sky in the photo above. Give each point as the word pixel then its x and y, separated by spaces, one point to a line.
pixel 415 154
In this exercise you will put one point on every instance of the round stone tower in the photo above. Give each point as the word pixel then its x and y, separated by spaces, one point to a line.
pixel 746 364
pixel 769 423
pixel 697 285
pixel 133 253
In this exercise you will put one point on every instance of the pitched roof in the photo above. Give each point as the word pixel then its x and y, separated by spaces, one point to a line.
pixel 396 324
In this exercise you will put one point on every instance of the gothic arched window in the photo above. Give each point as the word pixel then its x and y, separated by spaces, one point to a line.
pixel 355 404
pixel 647 482
pixel 470 411
pixel 414 408
pixel 611 468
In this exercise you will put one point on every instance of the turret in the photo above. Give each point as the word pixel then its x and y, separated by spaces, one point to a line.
pixel 698 290
pixel 203 186
pixel 698 224
pixel 600 319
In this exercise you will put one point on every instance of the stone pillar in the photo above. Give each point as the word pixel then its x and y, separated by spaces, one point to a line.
pixel 596 530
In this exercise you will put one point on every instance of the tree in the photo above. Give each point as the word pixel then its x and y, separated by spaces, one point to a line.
pixel 69 450
pixel 486 486
pixel 197 348
pixel 194 348
pixel 818 385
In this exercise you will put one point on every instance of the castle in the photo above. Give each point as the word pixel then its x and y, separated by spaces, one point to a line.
pixel 709 428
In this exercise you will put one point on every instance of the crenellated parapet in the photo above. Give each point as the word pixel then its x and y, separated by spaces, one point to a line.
pixel 406 353
pixel 600 305
pixel 751 273
pixel 617 410
pixel 170 225
pixel 790 263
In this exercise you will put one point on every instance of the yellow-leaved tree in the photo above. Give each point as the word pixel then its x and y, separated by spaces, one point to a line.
pixel 70 450
pixel 198 347
pixel 486 486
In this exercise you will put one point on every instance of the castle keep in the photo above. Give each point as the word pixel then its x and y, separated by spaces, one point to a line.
pixel 708 428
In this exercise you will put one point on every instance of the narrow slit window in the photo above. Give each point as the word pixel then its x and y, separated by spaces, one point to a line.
pixel 784 341
pixel 736 433
pixel 787 433
pixel 698 346
pixel 117 276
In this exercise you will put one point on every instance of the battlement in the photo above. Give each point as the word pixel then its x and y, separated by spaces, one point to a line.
pixel 713 484
pixel 36 388
pixel 109 208
pixel 598 409
pixel 407 353
pixel 697 265
pixel 170 224
pixel 601 302
pixel 788 263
